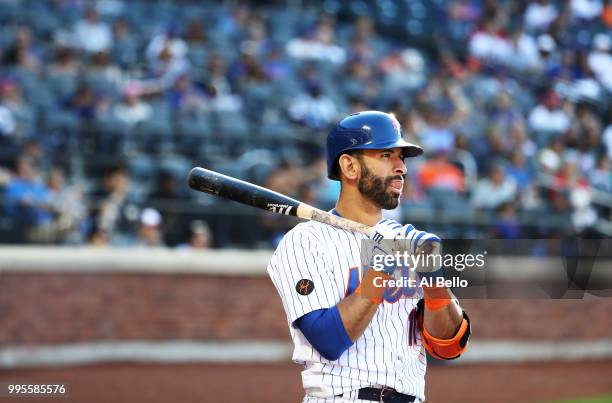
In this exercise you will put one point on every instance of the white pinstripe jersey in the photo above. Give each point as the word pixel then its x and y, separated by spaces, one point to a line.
pixel 388 353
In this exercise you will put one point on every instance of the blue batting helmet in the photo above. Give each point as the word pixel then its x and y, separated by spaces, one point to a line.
pixel 365 131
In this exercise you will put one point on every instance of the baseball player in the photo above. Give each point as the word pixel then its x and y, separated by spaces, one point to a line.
pixel 359 341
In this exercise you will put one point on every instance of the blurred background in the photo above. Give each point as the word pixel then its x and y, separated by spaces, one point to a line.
pixel 106 105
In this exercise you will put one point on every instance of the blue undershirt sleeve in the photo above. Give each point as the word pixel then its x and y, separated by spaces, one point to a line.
pixel 324 330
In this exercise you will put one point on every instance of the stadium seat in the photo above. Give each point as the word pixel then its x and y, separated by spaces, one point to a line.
pixel 194 134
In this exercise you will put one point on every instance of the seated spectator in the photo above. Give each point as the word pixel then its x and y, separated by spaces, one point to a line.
pixel 551 157
pixel 570 183
pixel 64 62
pixel 22 115
pixel 584 216
pixel 403 69
pixel 548 116
pixel 8 125
pixel 115 211
pixel 216 75
pixel 550 62
pixel 132 109
pixel 98 237
pixel 244 69
pixel 489 43
pixel 488 149
pixel 217 85
pixel 452 66
pixel 607 140
pixel 506 225
pixel 569 177
pixel 102 68
pixel 540 14
pixel 84 103
pixel 91 34
pixel 464 10
pixel 586 9
pixel 524 51
pixel 10 94
pixel 199 237
pixel 439 173
pixel 360 81
pixel 601 177
pixel 185 98
pixel 28 200
pixel 168 189
pixel 518 170
pixel 317 44
pixel 583 139
pixel 68 206
pixel 195 33
pixel 125 45
pixel 167 56
pixel 233 25
pixel 33 150
pixel 504 113
pixel 149 231
pixel 256 39
pixel 170 41
pixel 519 141
pixel 5 178
pixel 492 192
pixel 274 65
pixel 606 15
pixel 600 60
pixel 313 108
pixel 437 135
pixel 365 44
pixel 22 52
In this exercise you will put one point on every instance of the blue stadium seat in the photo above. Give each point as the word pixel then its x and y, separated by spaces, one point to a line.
pixel 112 135
pixel 230 125
pixel 61 85
pixel 175 164
pixel 194 134
pixel 61 119
pixel 198 56
pixel 102 85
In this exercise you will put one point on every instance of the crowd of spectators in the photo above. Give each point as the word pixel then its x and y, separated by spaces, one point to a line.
pixel 105 105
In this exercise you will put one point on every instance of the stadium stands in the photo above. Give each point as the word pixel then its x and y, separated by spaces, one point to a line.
pixel 122 96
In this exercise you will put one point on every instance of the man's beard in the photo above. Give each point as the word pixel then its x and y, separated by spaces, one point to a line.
pixel 375 188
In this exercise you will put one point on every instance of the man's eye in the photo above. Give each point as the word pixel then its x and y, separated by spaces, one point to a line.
pixel 386 155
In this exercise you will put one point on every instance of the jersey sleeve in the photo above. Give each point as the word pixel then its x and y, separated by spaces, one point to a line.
pixel 302 276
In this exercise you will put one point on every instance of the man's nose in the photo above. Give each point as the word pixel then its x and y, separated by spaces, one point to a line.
pixel 399 166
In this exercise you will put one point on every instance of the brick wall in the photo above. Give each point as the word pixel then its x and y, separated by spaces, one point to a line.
pixel 55 307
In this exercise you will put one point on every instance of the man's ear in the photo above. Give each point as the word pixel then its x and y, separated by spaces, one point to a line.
pixel 348 167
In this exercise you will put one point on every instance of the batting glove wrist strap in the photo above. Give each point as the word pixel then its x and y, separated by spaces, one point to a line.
pixel 436 298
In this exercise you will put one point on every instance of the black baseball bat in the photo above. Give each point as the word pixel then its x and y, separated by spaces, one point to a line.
pixel 227 187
